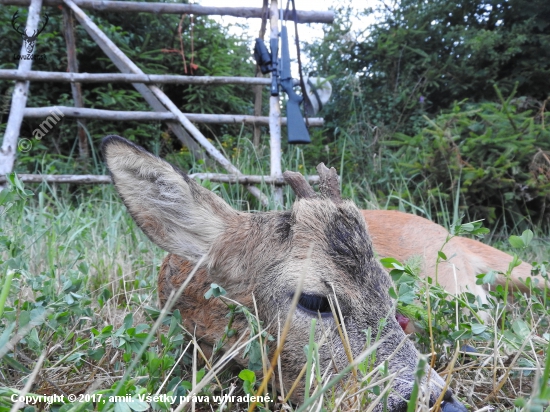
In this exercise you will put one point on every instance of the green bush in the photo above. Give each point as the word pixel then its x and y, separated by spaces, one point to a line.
pixel 495 155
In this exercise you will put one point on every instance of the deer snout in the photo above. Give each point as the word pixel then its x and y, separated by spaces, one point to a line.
pixel 399 401
pixel 451 404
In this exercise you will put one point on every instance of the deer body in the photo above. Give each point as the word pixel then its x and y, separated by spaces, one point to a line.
pixel 322 242
pixel 394 234
pixel 403 236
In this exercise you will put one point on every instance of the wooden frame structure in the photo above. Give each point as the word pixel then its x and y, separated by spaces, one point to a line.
pixel 164 108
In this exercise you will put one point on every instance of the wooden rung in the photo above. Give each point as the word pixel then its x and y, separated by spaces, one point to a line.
pixel 44 76
pixel 122 116
pixel 173 8
pixel 105 179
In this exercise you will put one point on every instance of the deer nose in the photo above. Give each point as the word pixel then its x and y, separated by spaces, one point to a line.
pixel 450 404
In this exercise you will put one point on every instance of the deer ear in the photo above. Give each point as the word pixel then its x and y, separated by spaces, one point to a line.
pixel 173 210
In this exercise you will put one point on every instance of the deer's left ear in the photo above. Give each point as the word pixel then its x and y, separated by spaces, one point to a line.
pixel 174 211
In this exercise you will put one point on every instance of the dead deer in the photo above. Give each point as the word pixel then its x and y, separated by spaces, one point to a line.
pixel 323 240
pixel 402 236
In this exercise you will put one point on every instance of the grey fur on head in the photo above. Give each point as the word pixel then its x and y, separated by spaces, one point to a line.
pixel 322 238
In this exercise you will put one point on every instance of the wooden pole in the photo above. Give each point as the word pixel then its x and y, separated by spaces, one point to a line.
pixel 122 116
pixel 174 8
pixel 126 65
pixel 106 179
pixel 275 116
pixel 76 88
pixel 8 151
pixel 258 98
pixel 41 76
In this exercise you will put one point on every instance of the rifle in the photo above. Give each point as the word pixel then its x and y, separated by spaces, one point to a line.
pixel 268 62
pixel 297 131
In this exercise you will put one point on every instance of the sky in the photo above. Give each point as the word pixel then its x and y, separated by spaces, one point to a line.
pixel 306 32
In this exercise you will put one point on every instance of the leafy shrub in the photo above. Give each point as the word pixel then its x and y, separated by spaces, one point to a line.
pixel 495 155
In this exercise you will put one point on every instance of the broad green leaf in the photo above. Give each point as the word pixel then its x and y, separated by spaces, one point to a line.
pixel 516 242
pixel 122 407
pixel 128 320
pixel 137 405
pixel 521 328
pixel 478 328
pixel 527 236
pixel 247 375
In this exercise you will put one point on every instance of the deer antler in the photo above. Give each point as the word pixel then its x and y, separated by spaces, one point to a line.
pixel 328 183
pixel 299 185
pixel 13 19
pixel 44 25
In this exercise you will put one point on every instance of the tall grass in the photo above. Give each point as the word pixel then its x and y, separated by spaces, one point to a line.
pixel 78 292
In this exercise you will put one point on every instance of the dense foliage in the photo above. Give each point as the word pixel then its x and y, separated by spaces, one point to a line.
pixel 492 155
pixel 442 98
pixel 153 43
pixel 421 57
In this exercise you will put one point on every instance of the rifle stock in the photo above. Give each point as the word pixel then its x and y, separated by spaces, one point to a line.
pixel 297 131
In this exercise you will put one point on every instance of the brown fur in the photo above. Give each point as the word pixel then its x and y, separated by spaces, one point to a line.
pixel 206 318
pixel 322 239
pixel 402 236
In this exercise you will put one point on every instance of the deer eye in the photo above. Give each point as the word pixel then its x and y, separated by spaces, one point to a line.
pixel 314 304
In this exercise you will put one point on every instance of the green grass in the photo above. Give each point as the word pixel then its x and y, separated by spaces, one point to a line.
pixel 78 285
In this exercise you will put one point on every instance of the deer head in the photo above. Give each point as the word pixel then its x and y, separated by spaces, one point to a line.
pixel 30 41
pixel 323 239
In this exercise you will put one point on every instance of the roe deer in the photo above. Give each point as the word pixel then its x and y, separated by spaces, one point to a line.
pixel 322 239
pixel 403 235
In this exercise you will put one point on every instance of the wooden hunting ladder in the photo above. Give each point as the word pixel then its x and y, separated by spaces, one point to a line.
pixel 164 109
